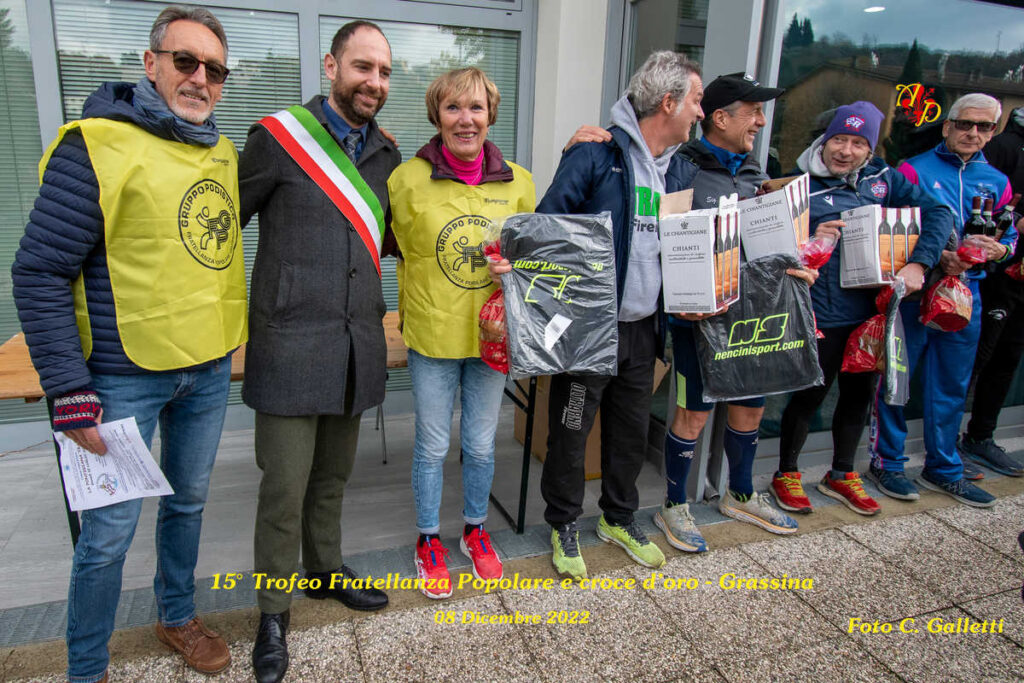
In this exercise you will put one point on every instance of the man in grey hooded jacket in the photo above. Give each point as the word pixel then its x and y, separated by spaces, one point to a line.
pixel 627 176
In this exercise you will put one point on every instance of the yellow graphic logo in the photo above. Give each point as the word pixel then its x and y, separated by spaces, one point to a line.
pixel 460 252
pixel 208 224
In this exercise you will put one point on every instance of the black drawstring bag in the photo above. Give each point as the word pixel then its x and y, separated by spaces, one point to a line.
pixel 560 308
pixel 765 343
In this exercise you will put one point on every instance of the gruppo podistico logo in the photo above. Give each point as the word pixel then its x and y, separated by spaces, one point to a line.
pixel 208 224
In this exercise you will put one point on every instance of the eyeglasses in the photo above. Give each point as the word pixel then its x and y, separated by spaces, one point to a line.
pixel 188 63
pixel 965 125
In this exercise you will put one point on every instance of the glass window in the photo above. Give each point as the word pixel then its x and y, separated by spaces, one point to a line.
pixel 19 177
pixel 677 25
pixel 912 59
pixel 103 40
pixel 419 54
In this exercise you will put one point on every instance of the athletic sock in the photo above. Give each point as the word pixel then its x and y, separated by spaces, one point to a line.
pixel 678 456
pixel 425 538
pixel 468 528
pixel 740 449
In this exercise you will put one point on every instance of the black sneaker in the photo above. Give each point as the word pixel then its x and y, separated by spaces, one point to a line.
pixel 961 489
pixel 991 455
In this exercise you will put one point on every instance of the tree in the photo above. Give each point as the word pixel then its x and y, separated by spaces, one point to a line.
pixel 794 35
pixel 6 28
pixel 806 32
pixel 912 70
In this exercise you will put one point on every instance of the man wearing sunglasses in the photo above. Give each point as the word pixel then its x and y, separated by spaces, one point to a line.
pixel 954 172
pixel 140 199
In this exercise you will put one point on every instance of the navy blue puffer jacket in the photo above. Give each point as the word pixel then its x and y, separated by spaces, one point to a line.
pixel 64 237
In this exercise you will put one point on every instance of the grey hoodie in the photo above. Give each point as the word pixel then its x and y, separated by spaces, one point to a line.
pixel 643 275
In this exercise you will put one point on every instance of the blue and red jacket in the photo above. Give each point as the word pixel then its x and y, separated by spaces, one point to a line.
pixel 956 182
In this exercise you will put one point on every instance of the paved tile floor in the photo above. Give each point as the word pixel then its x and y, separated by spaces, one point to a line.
pixel 931 560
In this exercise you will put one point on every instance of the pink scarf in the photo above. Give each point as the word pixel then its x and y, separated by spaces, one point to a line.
pixel 469 172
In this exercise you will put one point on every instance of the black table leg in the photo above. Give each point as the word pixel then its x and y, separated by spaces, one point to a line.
pixel 519 524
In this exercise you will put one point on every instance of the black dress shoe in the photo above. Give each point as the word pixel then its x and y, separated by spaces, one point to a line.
pixel 366 599
pixel 270 653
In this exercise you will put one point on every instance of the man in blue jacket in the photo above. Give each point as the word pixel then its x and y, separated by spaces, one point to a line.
pixel 139 198
pixel 626 176
pixel 845 175
pixel 954 172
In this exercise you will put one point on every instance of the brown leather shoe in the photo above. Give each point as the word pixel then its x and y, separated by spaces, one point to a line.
pixel 203 650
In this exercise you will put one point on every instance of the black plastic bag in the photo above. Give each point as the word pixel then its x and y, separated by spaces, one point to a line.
pixel 560 308
pixel 765 343
pixel 896 377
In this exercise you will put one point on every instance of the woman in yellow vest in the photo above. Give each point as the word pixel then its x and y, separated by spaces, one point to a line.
pixel 441 201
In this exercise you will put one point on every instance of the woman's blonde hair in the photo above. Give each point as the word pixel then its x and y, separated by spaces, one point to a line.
pixel 456 83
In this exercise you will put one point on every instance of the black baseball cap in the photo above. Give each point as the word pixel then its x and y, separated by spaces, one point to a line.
pixel 737 87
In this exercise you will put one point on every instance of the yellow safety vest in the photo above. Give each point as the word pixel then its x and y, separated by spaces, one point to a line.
pixel 442 277
pixel 173 244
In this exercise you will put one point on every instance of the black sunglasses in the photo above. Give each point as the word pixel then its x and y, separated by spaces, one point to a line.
pixel 965 125
pixel 187 63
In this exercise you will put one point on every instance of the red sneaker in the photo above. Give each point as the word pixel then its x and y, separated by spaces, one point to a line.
pixel 477 547
pixel 789 493
pixel 850 492
pixel 431 567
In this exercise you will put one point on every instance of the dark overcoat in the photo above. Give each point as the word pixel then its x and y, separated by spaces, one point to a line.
pixel 315 304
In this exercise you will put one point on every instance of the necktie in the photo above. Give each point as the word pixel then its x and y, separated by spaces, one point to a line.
pixel 350 142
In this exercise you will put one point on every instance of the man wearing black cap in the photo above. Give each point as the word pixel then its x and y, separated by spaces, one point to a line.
pixel 733 115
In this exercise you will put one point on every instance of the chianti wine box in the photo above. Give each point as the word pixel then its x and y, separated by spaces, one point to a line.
pixel 777 221
pixel 876 243
pixel 700 254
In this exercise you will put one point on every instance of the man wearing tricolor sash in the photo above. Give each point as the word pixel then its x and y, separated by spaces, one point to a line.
pixel 316 174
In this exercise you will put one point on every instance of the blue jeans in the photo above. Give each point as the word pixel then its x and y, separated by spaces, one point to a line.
pixel 190 407
pixel 434 381
pixel 946 360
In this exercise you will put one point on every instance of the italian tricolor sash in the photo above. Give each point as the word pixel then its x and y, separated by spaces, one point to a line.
pixel 316 152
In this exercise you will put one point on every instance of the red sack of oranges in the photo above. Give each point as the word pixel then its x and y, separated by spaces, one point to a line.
pixel 947 305
pixel 493 345
pixel 865 349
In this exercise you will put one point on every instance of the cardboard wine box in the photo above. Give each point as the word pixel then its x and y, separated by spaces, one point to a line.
pixel 700 254
pixel 777 221
pixel 876 243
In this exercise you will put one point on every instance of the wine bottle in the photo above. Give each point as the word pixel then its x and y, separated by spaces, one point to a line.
pixel 885 247
pixel 734 243
pixel 899 238
pixel 986 214
pixel 975 225
pixel 719 249
pixel 1008 217
pixel 913 232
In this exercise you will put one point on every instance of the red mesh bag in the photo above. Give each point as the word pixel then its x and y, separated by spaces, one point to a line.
pixel 816 252
pixel 493 345
pixel 969 253
pixel 947 305
pixel 865 349
pixel 882 300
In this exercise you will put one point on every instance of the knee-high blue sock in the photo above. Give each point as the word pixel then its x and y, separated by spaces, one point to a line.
pixel 678 456
pixel 740 449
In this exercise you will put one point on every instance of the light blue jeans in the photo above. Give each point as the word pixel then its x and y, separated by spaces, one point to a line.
pixel 190 408
pixel 434 381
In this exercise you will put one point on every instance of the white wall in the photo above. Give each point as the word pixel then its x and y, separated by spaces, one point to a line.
pixel 570 59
